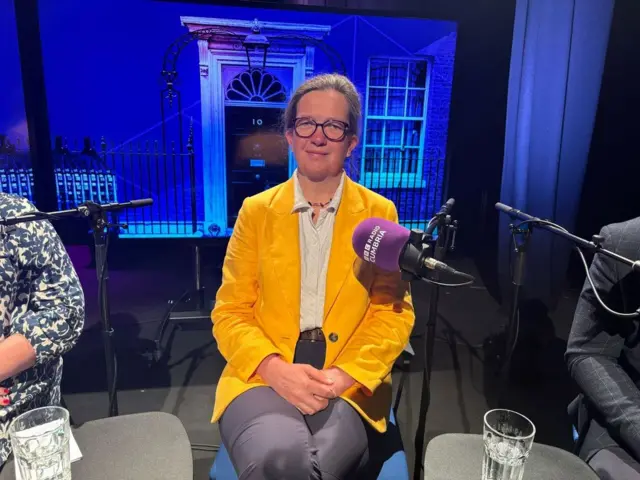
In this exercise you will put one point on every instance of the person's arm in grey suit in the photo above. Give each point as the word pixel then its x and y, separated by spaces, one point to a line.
pixel 594 349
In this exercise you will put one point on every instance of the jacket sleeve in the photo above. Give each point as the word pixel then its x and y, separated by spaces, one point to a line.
pixel 241 341
pixel 384 332
pixel 593 352
pixel 54 317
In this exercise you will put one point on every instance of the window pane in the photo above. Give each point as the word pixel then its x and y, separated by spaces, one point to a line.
pixel 393 133
pixel 376 101
pixel 410 164
pixel 372 159
pixel 374 132
pixel 415 104
pixel 396 103
pixel 394 160
pixel 412 131
pixel 418 74
pixel 398 74
pixel 378 73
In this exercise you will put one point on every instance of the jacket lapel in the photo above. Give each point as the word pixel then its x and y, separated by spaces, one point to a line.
pixel 285 244
pixel 350 212
pixel 285 247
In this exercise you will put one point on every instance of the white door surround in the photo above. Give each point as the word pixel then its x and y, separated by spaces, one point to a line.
pixel 219 51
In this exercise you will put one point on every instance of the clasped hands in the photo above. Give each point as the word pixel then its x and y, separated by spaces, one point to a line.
pixel 303 386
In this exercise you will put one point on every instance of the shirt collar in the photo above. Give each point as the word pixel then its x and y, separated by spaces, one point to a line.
pixel 301 204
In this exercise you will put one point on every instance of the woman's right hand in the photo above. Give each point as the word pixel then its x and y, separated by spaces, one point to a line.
pixel 306 388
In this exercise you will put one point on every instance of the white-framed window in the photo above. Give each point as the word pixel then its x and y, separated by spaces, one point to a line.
pixel 395 122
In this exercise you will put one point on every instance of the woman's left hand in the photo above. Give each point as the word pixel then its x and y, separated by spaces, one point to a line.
pixel 4 397
pixel 341 380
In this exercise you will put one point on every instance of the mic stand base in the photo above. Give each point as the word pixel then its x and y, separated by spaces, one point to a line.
pixel 191 306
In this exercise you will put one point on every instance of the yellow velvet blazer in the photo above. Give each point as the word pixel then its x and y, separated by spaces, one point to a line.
pixel 368 312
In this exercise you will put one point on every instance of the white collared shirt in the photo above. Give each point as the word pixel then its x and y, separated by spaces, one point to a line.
pixel 315 248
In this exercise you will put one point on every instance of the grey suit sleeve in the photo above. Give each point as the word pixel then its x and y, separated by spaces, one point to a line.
pixel 594 348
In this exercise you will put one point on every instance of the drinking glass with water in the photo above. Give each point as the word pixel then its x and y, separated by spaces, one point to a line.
pixel 508 438
pixel 40 442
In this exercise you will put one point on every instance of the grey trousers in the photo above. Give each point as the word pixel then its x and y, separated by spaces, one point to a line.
pixel 268 438
pixel 614 463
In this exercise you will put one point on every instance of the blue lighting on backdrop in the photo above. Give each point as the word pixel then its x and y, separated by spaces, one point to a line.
pixel 558 58
pixel 182 103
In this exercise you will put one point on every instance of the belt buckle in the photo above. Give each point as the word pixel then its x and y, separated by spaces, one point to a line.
pixel 314 335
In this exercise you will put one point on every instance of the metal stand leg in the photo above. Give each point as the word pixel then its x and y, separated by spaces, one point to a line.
pixel 446 227
pixel 511 334
pixel 406 366
pixel 190 306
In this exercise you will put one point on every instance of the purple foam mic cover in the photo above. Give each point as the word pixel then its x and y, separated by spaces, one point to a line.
pixel 380 241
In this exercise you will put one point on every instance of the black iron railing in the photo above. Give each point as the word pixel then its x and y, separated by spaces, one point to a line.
pixel 416 192
pixel 111 173
pixel 16 176
pixel 107 173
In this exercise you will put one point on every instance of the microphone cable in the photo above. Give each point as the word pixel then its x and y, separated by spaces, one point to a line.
pixel 447 285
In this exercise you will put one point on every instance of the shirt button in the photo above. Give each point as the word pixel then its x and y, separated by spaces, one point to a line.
pixel 333 337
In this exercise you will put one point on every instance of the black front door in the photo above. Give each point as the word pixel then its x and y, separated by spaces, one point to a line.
pixel 257 153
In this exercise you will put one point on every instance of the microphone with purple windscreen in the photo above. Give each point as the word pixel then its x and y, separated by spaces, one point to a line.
pixel 380 241
pixel 383 243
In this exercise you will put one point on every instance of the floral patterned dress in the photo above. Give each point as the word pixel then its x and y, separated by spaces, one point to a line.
pixel 40 298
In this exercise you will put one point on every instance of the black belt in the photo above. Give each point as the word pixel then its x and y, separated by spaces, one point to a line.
pixel 314 335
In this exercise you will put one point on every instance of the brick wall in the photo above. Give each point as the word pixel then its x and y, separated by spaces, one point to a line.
pixel 421 204
pixel 441 80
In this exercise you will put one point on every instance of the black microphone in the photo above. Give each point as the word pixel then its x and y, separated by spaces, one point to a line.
pixel 113 207
pixel 439 217
pixel 514 212
pixel 446 208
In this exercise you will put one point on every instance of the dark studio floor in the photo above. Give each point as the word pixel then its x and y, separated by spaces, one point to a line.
pixel 144 277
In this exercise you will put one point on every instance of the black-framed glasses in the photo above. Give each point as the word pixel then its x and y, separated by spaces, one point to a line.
pixel 334 130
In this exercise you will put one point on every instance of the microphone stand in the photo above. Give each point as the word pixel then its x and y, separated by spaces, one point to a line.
pixel 594 246
pixel 442 221
pixel 521 238
pixel 97 216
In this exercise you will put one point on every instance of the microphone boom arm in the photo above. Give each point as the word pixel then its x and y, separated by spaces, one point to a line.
pixel 85 210
pixel 594 246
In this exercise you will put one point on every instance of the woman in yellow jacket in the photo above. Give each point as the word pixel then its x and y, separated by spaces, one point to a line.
pixel 309 332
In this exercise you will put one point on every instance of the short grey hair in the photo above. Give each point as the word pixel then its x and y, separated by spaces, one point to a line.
pixel 327 81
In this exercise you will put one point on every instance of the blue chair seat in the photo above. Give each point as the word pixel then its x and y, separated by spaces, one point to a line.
pixel 389 460
pixel 222 468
